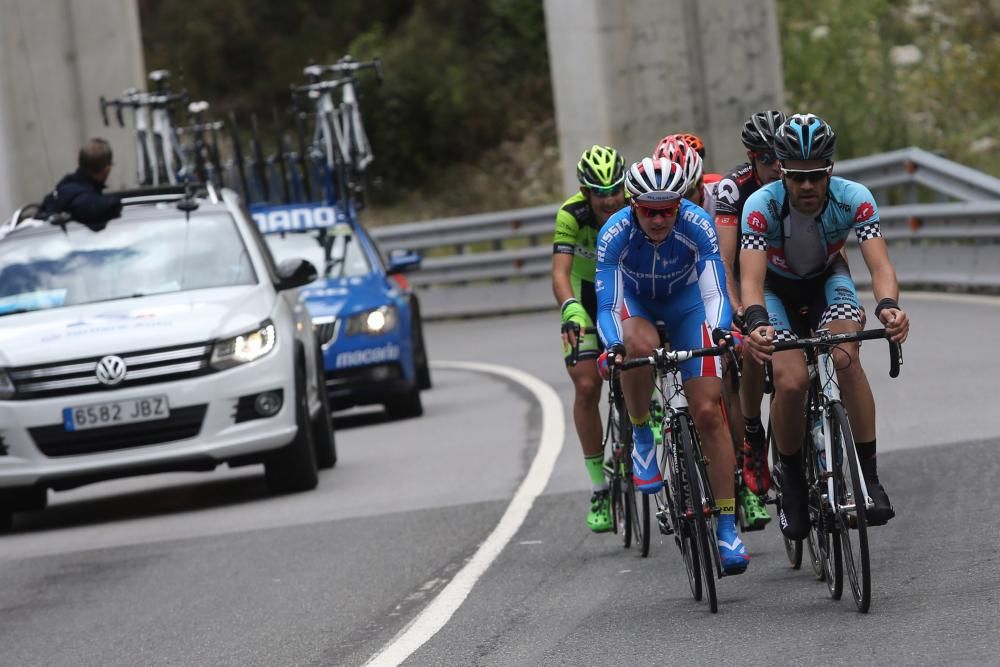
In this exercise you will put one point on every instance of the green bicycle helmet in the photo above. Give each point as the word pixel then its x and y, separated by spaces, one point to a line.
pixel 600 167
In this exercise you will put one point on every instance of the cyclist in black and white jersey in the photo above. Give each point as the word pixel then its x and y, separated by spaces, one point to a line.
pixel 731 193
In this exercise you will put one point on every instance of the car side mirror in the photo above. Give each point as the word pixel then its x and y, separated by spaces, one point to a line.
pixel 401 260
pixel 295 272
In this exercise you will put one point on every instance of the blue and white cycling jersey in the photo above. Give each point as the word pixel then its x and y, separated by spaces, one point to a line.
pixel 803 246
pixel 681 275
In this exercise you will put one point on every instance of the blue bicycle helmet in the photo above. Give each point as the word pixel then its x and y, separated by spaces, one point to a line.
pixel 804 137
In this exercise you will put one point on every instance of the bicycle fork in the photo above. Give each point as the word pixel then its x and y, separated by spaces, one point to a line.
pixel 831 394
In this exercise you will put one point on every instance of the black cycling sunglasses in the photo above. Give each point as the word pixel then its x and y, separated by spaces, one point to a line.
pixel 803 175
pixel 766 158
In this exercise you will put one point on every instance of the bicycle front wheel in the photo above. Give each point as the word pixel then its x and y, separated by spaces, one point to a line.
pixel 699 493
pixel 621 450
pixel 851 510
pixel 679 501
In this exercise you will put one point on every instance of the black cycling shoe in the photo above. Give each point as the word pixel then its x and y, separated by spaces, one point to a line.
pixel 793 512
pixel 880 514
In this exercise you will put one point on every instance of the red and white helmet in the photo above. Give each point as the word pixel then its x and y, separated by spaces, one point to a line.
pixel 674 148
pixel 655 180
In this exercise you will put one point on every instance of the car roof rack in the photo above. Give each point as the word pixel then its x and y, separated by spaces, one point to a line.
pixel 166 194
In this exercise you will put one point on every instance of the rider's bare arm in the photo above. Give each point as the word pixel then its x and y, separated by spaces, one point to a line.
pixel 562 287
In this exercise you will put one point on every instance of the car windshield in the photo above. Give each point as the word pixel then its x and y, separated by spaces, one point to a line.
pixel 53 266
pixel 332 250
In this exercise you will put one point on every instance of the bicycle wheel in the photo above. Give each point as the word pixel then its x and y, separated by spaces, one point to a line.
pixel 679 499
pixel 622 431
pixel 851 513
pixel 793 548
pixel 699 492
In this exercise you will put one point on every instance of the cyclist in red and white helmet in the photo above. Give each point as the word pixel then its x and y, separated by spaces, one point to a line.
pixel 658 260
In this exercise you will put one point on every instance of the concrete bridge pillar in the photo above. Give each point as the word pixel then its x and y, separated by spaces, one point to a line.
pixel 628 73
pixel 57 57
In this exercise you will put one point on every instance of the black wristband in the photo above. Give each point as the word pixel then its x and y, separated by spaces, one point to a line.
pixel 755 317
pixel 887 302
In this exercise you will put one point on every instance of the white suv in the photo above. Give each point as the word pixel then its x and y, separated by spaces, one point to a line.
pixel 165 340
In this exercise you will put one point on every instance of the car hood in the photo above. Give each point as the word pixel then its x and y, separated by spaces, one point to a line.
pixel 343 297
pixel 127 325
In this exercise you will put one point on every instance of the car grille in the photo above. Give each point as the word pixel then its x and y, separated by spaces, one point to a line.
pixel 79 376
pixel 327 329
pixel 182 423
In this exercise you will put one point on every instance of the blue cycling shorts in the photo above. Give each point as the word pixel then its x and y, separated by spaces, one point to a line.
pixel 687 327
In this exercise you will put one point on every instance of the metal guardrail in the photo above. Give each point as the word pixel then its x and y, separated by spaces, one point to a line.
pixel 501 262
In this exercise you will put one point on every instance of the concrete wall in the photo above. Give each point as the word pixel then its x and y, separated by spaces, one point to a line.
pixel 628 73
pixel 57 57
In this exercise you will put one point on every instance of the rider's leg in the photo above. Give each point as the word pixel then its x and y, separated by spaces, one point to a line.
pixel 587 387
pixel 641 338
pixel 587 413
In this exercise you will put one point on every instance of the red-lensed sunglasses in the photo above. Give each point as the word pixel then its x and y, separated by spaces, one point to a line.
pixel 653 211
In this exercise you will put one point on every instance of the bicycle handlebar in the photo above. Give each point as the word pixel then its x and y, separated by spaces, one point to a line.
pixel 134 99
pixel 824 338
pixel 320 86
pixel 347 64
pixel 580 333
pixel 661 356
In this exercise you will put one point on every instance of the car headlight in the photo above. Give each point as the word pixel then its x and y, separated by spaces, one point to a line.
pixel 6 385
pixel 373 322
pixel 246 347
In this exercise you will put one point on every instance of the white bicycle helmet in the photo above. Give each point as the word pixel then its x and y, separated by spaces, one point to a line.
pixel 654 180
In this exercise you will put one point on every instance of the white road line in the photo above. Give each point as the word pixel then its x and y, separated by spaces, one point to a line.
pixel 441 608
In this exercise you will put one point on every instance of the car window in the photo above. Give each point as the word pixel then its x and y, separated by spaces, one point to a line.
pixel 50 267
pixel 334 251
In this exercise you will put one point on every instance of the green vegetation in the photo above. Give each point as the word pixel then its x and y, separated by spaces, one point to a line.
pixel 464 119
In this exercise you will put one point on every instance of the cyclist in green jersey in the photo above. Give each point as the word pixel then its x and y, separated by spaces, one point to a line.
pixel 601 172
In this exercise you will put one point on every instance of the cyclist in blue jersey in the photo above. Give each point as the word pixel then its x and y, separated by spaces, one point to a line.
pixel 658 259
pixel 794 278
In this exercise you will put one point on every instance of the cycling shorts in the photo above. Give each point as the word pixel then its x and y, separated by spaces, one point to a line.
pixel 799 307
pixel 686 324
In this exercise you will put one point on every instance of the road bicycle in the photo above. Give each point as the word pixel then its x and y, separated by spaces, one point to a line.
pixel 686 506
pixel 340 133
pixel 838 495
pixel 630 508
pixel 160 158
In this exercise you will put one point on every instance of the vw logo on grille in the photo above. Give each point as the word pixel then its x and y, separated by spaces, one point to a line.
pixel 111 370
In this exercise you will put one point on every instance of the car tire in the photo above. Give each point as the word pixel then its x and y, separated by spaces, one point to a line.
pixel 420 362
pixel 322 423
pixel 293 467
pixel 406 405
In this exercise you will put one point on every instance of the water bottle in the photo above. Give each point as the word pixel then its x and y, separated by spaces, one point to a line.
pixel 816 429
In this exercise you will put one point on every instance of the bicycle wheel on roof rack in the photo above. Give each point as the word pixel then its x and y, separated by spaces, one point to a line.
pixel 336 158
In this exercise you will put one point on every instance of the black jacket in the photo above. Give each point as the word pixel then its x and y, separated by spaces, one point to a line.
pixel 80 195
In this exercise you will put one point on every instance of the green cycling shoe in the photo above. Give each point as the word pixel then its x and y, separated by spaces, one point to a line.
pixel 599 518
pixel 755 514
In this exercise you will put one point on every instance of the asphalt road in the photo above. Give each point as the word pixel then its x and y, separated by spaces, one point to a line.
pixel 207 569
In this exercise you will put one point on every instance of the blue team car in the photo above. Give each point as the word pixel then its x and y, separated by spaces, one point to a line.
pixel 365 315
